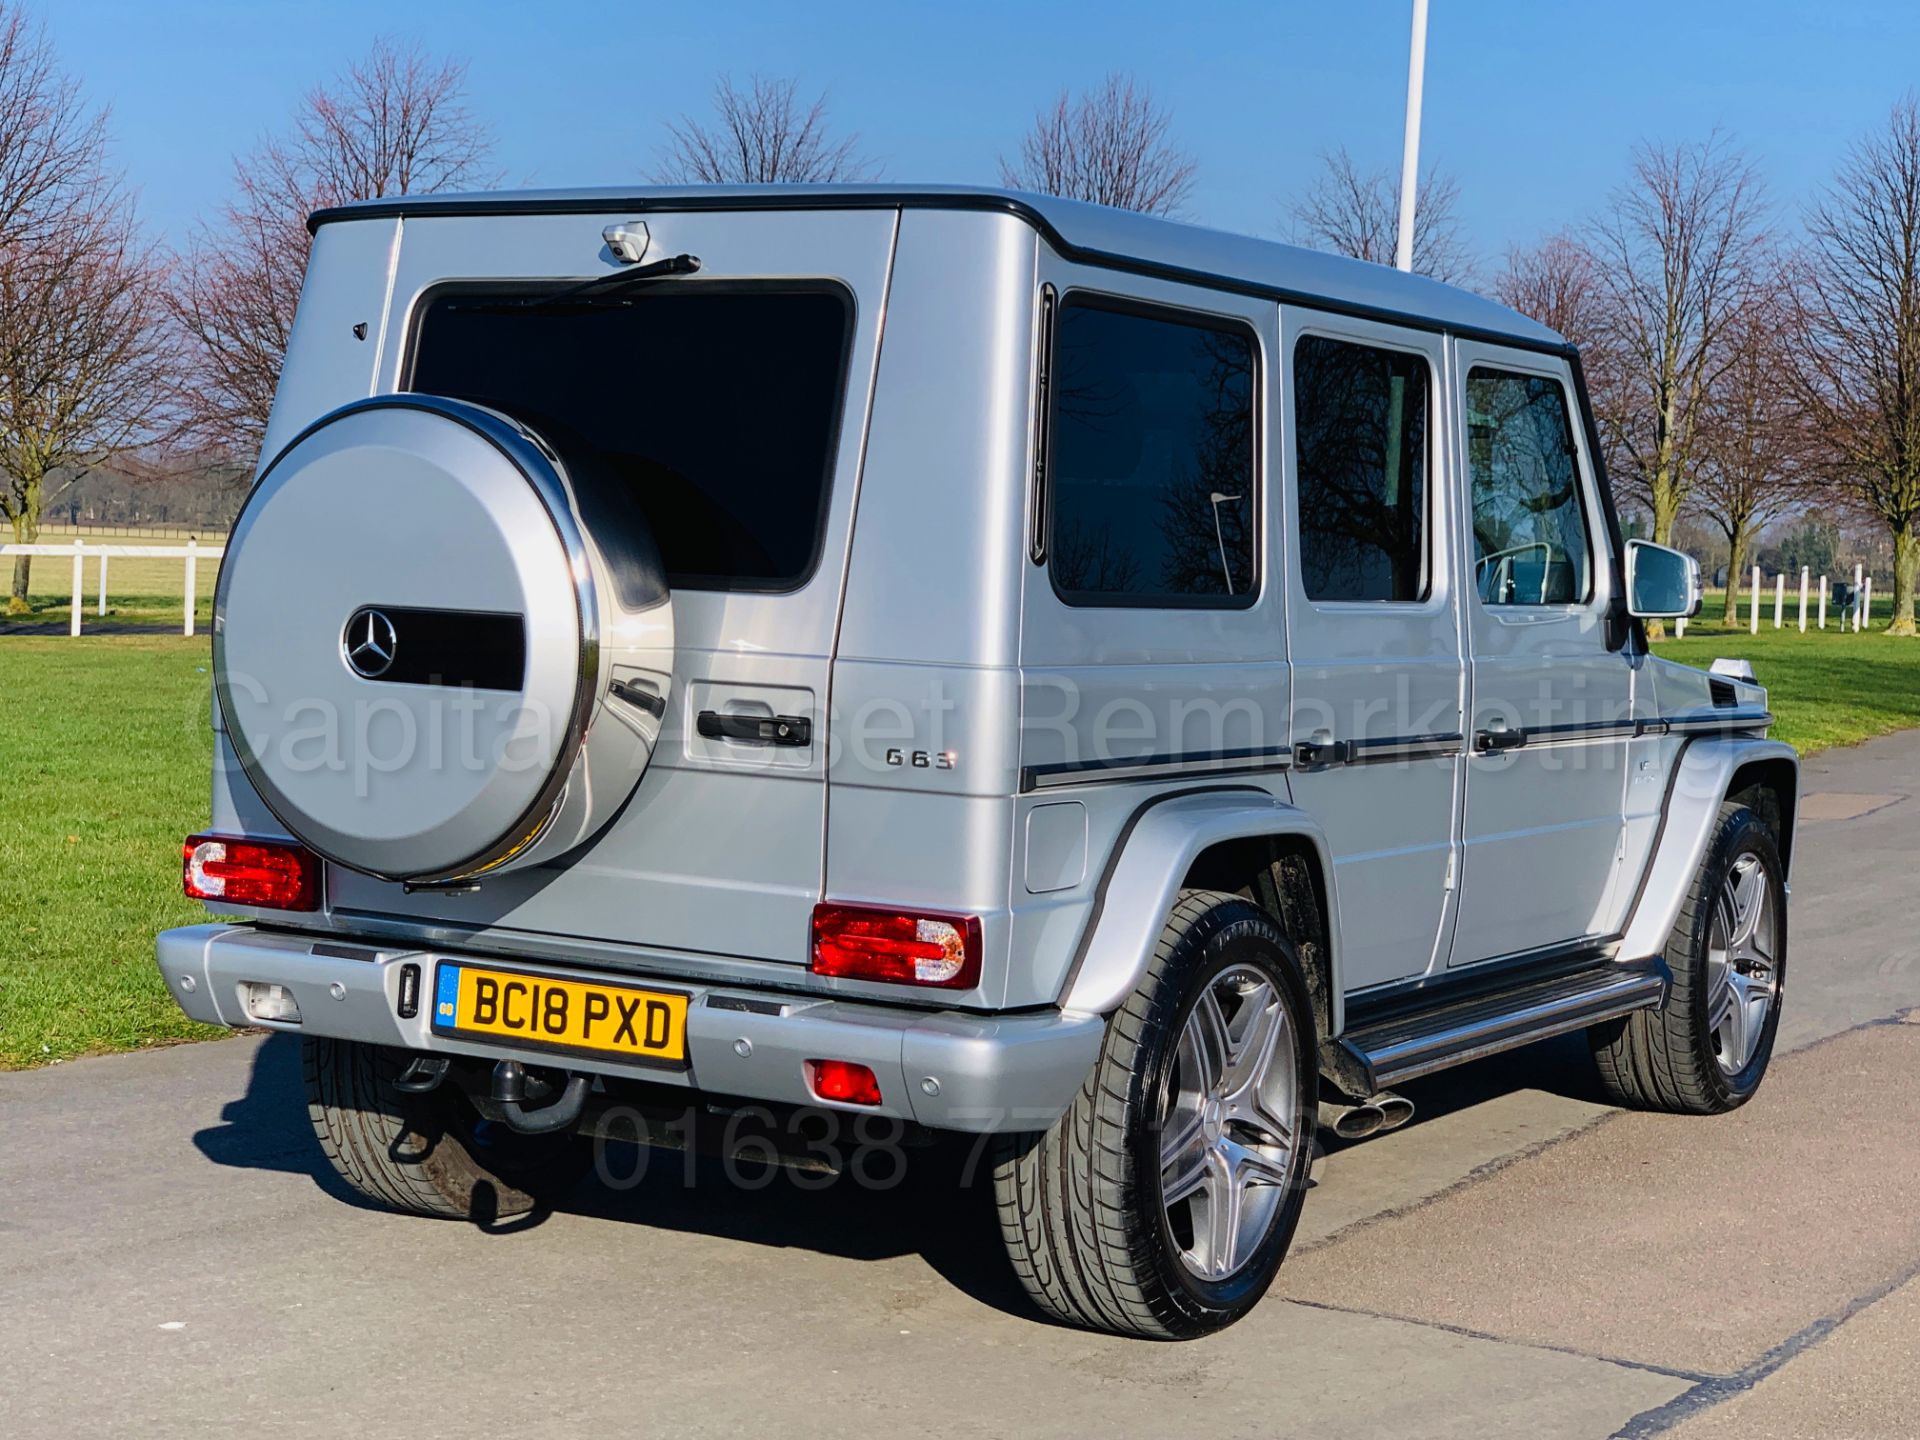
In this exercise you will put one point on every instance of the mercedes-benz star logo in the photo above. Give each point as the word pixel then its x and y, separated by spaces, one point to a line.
pixel 369 643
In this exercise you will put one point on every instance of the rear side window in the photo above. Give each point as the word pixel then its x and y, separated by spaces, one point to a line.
pixel 1529 529
pixel 1360 442
pixel 1151 470
pixel 712 409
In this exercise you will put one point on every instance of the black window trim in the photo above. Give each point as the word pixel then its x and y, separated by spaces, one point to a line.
pixel 513 286
pixel 1123 304
pixel 1038 515
pixel 1570 396
pixel 1433 596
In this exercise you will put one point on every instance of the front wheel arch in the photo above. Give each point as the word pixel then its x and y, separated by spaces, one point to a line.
pixel 1771 789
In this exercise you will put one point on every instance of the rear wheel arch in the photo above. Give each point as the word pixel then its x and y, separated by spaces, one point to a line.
pixel 1238 840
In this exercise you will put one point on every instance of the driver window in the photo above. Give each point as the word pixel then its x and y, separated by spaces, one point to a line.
pixel 1529 528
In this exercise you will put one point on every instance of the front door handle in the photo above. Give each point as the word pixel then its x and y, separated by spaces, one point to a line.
pixel 755 729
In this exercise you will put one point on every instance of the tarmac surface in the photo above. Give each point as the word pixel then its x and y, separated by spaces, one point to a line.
pixel 1521 1260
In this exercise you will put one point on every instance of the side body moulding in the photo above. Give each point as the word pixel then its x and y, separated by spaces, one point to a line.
pixel 1151 859
pixel 1703 777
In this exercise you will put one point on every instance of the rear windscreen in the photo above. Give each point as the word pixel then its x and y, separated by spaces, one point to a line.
pixel 712 409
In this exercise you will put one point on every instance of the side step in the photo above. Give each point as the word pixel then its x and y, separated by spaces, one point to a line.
pixel 1408 1046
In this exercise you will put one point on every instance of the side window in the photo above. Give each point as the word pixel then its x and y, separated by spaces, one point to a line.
pixel 1151 468
pixel 1529 528
pixel 1360 450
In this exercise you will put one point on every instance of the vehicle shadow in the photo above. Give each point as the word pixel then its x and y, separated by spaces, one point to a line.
pixel 934 1201
pixel 267 1127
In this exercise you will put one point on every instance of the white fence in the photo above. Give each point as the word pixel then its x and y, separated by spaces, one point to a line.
pixel 190 554
pixel 1857 616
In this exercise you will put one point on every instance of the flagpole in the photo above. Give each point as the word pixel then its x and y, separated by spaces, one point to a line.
pixel 1410 148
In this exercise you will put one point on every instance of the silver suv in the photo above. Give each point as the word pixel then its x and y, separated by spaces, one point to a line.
pixel 709 661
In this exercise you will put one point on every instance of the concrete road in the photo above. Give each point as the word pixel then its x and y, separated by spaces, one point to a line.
pixel 1519 1261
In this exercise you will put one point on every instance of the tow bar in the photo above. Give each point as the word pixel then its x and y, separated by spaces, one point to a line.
pixel 509 1094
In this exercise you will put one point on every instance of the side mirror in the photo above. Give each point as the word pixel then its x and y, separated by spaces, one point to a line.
pixel 1662 584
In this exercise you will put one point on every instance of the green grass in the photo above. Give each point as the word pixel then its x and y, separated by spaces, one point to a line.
pixel 103 769
pixel 1826 687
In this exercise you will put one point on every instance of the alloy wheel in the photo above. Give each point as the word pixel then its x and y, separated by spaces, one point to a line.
pixel 1227 1128
pixel 1743 978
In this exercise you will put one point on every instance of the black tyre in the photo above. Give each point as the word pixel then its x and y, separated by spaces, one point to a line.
pixel 427 1154
pixel 1706 1050
pixel 1163 1201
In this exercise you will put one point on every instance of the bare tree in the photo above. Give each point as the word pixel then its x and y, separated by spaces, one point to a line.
pixel 50 141
pixel 235 301
pixel 395 123
pixel 1109 147
pixel 1678 251
pixel 1558 284
pixel 1859 314
pixel 763 135
pixel 1751 445
pixel 1357 214
pixel 83 372
pixel 86 366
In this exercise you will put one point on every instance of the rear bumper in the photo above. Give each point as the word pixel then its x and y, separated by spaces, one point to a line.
pixel 947 1070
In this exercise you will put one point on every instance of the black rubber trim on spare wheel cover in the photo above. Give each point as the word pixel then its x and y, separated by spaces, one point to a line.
pixel 535 461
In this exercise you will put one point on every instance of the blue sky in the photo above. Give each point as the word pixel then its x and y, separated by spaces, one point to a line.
pixel 1532 107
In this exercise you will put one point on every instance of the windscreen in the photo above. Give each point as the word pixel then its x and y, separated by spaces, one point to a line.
pixel 711 409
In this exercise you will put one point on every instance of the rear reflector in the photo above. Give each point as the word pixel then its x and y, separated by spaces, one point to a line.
pixel 272 875
pixel 845 1081
pixel 859 942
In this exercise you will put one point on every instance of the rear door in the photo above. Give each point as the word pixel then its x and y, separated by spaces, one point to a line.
pixel 735 402
pixel 1373 631
pixel 1552 704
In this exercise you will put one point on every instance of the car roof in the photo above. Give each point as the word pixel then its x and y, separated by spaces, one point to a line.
pixel 1096 234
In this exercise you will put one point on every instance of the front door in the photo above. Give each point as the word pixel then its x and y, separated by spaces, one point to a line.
pixel 1373 631
pixel 1551 701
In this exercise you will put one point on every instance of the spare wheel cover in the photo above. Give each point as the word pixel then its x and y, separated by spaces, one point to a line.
pixel 406 637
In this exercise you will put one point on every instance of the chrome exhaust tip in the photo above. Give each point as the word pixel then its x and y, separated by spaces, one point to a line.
pixel 1351 1122
pixel 1395 1110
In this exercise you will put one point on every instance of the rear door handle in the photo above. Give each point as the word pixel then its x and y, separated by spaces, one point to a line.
pixel 1488 742
pixel 1322 752
pixel 755 729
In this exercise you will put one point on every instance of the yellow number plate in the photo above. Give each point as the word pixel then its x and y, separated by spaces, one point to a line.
pixel 554 1014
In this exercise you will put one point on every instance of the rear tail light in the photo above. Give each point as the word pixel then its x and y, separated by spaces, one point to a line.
pixel 859 942
pixel 845 1081
pixel 274 875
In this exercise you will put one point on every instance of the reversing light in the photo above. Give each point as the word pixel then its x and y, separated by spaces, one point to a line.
pixel 860 942
pixel 270 1002
pixel 274 875
pixel 844 1080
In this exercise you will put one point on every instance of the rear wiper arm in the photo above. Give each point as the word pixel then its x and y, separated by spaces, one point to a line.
pixel 616 282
